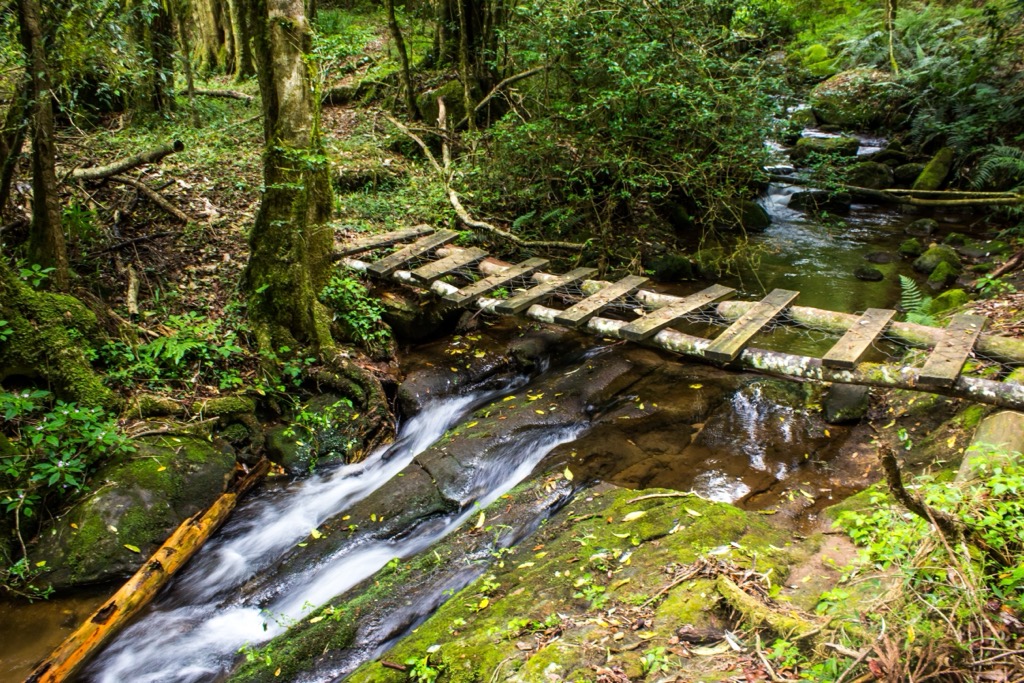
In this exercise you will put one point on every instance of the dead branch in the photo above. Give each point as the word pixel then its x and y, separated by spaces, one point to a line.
pixel 132 296
pixel 914 197
pixel 154 197
pixel 1011 264
pixel 150 156
pixel 227 94
pixel 952 529
pixel 501 86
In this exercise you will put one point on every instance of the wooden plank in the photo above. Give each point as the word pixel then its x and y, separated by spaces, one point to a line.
pixel 518 304
pixel 592 305
pixel 371 242
pixel 471 293
pixel 655 321
pixel 728 345
pixel 432 271
pixel 848 351
pixel 389 264
pixel 949 355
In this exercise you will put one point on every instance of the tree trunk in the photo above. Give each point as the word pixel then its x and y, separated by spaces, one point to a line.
pixel 396 34
pixel 12 139
pixel 161 46
pixel 186 58
pixel 290 243
pixel 244 67
pixel 46 240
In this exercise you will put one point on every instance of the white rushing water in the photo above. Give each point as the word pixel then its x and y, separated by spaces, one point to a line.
pixel 194 632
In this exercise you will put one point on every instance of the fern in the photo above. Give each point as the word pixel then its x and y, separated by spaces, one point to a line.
pixel 914 303
pixel 1000 166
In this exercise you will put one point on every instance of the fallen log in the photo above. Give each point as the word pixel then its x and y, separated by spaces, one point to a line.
pixel 154 197
pixel 150 156
pixel 226 94
pixel 115 613
pixel 936 198
pixel 887 375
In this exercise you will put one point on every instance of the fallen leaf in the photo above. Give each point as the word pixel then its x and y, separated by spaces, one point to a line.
pixel 133 548
pixel 636 514
pixel 567 474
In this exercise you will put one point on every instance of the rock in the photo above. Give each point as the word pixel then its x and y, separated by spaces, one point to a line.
pixel 803 118
pixel 938 253
pixel 821 200
pixel 673 267
pixel 955 239
pixel 906 174
pixel 953 298
pixel 943 276
pixel 912 247
pixel 415 318
pixel 870 174
pixel 923 227
pixel 859 98
pixel 846 403
pixel 934 174
pixel 331 431
pixel 138 500
pixel 879 257
pixel 815 59
pixel 753 216
pixel 868 274
pixel 892 156
pixel 805 147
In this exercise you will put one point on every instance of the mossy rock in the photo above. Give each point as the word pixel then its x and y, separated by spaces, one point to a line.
pixel 906 174
pixel 414 318
pixel 673 267
pixel 912 247
pixel 859 98
pixel 815 58
pixel 870 174
pixel 943 276
pixel 817 201
pixel 803 118
pixel 935 172
pixel 955 239
pixel 834 147
pixel 868 274
pixel 747 214
pixel 454 102
pixel 136 501
pixel 949 300
pixel 331 433
pixel 923 227
pixel 939 253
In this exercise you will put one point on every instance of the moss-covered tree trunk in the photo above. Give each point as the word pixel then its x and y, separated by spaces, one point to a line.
pixel 244 67
pixel 46 240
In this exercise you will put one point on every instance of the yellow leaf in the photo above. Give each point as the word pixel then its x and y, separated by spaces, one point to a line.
pixel 316 534
pixel 73 525
pixel 539 412
pixel 621 535
pixel 373 517
pixel 567 474
pixel 41 563
pixel 641 406
pixel 534 397
pixel 133 548
pixel 509 398
pixel 950 442
pixel 692 513
pixel 346 517
pixel 480 354
pixel 161 468
pixel 526 565
pixel 480 521
pixel 483 604
pixel 278 672
pixel 454 369
pixel 696 386
pixel 316 620
pixel 472 424
pixel 303 545
pixel 636 514
pixel 827 433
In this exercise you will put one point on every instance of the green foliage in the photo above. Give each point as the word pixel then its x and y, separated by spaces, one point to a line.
pixel 34 274
pixel 358 313
pixel 915 304
pixel 655 660
pixel 5 330
pixel 420 668
pixel 989 287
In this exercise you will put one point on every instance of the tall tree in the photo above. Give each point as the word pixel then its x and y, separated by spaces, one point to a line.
pixel 46 241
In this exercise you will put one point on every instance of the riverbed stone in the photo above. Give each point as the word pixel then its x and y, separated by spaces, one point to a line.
pixel 137 500
pixel 912 247
pixel 880 257
pixel 673 267
pixel 846 403
pixel 821 200
pixel 858 98
pixel 906 174
pixel 870 174
pixel 935 172
pixel 803 118
pixel 837 146
pixel 937 253
pixel 415 318
pixel 948 300
pixel 868 274
pixel 943 276
pixel 923 227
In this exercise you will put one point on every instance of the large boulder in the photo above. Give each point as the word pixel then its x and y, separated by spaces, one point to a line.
pixel 859 98
pixel 906 174
pixel 136 502
pixel 935 172
pixel 870 174
pixel 840 147
pixel 938 253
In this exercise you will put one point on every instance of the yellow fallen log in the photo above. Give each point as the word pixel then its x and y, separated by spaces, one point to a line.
pixel 105 622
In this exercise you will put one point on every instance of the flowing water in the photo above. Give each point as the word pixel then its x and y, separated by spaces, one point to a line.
pixel 196 628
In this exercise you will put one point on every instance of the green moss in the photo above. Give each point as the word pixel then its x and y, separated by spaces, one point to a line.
pixel 227 405
pixel 971 416
pixel 944 275
pixel 954 298
pixel 939 253
pixel 935 171
pixel 912 247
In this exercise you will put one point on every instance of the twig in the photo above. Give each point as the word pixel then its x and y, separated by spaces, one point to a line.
pixel 128 243
pixel 154 197
pixel 662 495
pixel 498 88
pixel 392 665
pixel 764 660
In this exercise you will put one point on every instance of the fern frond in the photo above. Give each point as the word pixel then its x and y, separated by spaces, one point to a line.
pixel 1000 163
pixel 911 296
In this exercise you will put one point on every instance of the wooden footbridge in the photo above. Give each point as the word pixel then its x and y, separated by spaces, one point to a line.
pixel 422 256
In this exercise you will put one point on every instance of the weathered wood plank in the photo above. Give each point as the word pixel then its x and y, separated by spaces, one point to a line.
pixel 371 242
pixel 731 342
pixel 389 264
pixel 593 304
pixel 518 304
pixel 425 275
pixel 948 357
pixel 852 346
pixel 471 293
pixel 654 322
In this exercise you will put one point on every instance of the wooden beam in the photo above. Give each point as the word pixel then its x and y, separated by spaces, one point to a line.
pixel 389 264
pixel 371 242
pixel 849 350
pixel 593 304
pixel 471 293
pixel 728 345
pixel 654 322
pixel 518 304
pixel 425 275
pixel 947 359
pixel 116 612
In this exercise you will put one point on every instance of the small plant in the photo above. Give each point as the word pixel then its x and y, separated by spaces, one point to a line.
pixel 989 287
pixel 420 668
pixel 5 331
pixel 916 305
pixel 655 660
pixel 358 313
pixel 785 654
pixel 35 274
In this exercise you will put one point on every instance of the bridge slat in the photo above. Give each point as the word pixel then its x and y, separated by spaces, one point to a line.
pixel 730 344
pixel 471 293
pixel 425 275
pixel 389 264
pixel 372 242
pixel 518 304
pixel 949 355
pixel 848 351
pixel 592 305
pixel 654 322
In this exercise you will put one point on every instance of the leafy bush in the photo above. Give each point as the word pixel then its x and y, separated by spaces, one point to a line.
pixel 358 313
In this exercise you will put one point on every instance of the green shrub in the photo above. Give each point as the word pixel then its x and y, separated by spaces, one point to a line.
pixel 358 313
